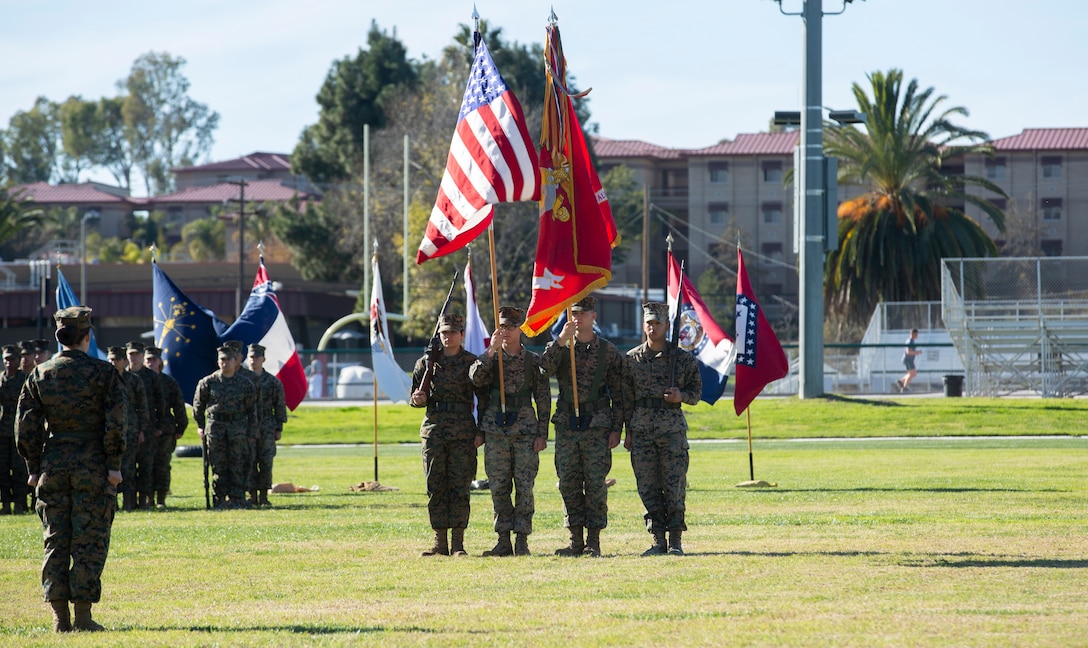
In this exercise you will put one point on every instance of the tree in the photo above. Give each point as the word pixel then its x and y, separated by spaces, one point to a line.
pixel 892 238
pixel 206 239
pixel 114 150
pixel 625 197
pixel 80 130
pixel 313 234
pixel 1022 229
pixel 354 93
pixel 163 125
pixel 32 144
pixel 16 215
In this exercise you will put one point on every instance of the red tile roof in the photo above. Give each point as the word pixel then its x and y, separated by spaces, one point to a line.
pixel 1044 139
pixel 256 190
pixel 610 148
pixel 87 193
pixel 781 143
pixel 253 162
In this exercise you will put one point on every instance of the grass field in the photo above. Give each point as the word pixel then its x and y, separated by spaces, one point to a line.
pixel 865 542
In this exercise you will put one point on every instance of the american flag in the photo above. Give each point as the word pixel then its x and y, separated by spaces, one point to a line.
pixel 492 160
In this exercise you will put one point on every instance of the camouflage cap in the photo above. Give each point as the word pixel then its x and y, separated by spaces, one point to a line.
pixel 587 303
pixel 152 352
pixel 451 322
pixel 41 345
pixel 117 353
pixel 511 316
pixel 236 345
pixel 135 346
pixel 655 312
pixel 77 317
pixel 26 347
pixel 226 352
pixel 256 351
pixel 11 351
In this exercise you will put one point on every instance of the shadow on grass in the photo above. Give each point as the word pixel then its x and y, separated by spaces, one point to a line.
pixel 835 398
pixel 968 560
pixel 298 628
pixel 874 489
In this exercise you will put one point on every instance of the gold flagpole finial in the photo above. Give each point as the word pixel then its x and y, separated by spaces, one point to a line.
pixel 154 253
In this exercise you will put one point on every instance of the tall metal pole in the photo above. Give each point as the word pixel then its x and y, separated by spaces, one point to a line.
pixel 404 281
pixel 366 199
pixel 238 296
pixel 83 259
pixel 811 382
pixel 645 242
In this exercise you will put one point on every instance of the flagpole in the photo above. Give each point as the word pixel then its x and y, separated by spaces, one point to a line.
pixel 495 308
pixel 374 380
pixel 751 462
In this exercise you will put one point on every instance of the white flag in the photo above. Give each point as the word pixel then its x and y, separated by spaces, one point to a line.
pixel 387 373
pixel 477 338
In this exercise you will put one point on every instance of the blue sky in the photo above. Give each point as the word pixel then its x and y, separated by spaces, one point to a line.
pixel 679 73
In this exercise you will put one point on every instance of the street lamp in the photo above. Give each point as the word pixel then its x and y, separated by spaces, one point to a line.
pixel 241 184
pixel 88 215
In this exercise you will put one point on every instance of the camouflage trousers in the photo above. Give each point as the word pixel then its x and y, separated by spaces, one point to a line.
pixel 512 465
pixel 264 453
pixel 660 463
pixel 449 466
pixel 128 464
pixel 76 506
pixel 230 459
pixel 160 461
pixel 145 463
pixel 13 473
pixel 582 462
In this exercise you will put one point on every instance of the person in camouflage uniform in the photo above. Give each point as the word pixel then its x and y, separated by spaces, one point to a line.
pixel 145 456
pixel 244 371
pixel 271 416
pixel 448 432
pixel 658 377
pixel 71 432
pixel 583 451
pixel 42 351
pixel 26 356
pixel 175 420
pixel 514 441
pixel 225 409
pixel 136 421
pixel 13 488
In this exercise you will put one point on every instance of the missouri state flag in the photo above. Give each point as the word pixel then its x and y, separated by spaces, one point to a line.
pixel 492 160
pixel 700 334
pixel 760 358
pixel 262 322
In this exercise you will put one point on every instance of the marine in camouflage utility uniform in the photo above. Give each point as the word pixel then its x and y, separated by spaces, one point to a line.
pixel 13 488
pixel 448 432
pixel 271 417
pixel 225 410
pixel 156 412
pixel 136 421
pixel 239 351
pixel 175 420
pixel 511 453
pixel 657 429
pixel 583 457
pixel 71 432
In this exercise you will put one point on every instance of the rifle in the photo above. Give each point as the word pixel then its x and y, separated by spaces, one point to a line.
pixel 434 347
pixel 207 488
pixel 676 329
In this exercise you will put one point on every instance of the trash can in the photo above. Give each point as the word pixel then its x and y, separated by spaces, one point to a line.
pixel 953 385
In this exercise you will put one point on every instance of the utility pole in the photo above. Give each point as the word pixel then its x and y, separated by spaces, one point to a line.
pixel 241 184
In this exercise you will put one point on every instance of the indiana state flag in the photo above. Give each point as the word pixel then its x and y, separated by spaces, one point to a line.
pixel 66 298
pixel 187 333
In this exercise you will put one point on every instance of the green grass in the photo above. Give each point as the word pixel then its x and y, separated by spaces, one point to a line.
pixel 865 542
pixel 772 418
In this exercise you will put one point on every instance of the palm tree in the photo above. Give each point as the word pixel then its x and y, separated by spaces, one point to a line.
pixel 893 237
pixel 16 214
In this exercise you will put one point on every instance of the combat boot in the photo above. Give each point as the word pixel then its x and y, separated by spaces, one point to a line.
pixel 263 494
pixel 659 548
pixel 62 619
pixel 6 510
pixel 160 500
pixel 593 543
pixel 83 619
pixel 576 546
pixel 521 545
pixel 457 542
pixel 253 499
pixel 675 548
pixel 441 547
pixel 144 500
pixel 128 501
pixel 502 547
pixel 20 505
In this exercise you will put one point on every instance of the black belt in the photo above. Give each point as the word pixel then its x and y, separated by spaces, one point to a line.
pixel 448 406
pixel 225 417
pixel 583 408
pixel 656 403
pixel 516 402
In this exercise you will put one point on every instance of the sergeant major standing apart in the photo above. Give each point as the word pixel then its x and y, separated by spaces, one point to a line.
pixel 225 409
pixel 13 488
pixel 659 377
pixel 583 447
pixel 175 420
pixel 515 438
pixel 271 415
pixel 71 433
pixel 448 431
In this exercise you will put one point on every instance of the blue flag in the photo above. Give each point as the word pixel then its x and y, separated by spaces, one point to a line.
pixel 66 298
pixel 187 333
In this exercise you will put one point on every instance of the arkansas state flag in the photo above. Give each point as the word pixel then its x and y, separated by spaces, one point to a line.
pixel 700 334
pixel 263 322
pixel 577 233
pixel 760 358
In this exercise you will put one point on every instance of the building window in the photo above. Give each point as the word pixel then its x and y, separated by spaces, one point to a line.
pixel 718 213
pixel 1052 209
pixel 772 172
pixel 772 251
pixel 995 169
pixel 1052 167
pixel 773 289
pixel 1051 247
pixel 772 212
pixel 719 172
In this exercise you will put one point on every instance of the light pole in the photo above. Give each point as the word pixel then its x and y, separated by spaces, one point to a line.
pixel 89 215
pixel 241 184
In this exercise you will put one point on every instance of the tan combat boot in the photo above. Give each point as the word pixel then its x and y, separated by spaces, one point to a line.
pixel 576 546
pixel 83 619
pixel 521 545
pixel 441 547
pixel 62 619
pixel 457 542
pixel 502 547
